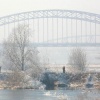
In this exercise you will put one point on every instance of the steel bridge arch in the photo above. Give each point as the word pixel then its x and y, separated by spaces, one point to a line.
pixel 70 14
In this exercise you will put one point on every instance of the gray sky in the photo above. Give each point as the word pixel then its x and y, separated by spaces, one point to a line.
pixel 8 7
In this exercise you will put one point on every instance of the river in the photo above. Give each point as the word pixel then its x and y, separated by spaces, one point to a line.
pixel 24 94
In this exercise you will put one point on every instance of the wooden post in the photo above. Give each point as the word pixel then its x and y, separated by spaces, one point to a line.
pixel 0 69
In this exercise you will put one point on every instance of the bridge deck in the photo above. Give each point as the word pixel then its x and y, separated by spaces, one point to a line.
pixel 66 44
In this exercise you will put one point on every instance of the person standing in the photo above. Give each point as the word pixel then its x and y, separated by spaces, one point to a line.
pixel 63 69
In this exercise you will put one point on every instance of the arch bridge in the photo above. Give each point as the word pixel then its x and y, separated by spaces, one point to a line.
pixel 56 27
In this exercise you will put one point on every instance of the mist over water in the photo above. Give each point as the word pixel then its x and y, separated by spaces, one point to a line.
pixel 60 55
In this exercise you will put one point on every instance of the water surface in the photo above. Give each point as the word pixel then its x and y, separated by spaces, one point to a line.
pixel 42 95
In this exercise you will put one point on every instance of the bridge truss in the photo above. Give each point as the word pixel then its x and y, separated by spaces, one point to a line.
pixel 56 27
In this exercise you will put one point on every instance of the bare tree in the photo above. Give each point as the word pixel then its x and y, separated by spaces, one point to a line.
pixel 78 59
pixel 18 51
pixel 19 55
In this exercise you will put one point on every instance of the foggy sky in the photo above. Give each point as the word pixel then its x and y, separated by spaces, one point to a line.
pixel 8 7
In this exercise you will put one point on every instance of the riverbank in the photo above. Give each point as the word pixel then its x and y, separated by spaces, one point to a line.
pixel 67 80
